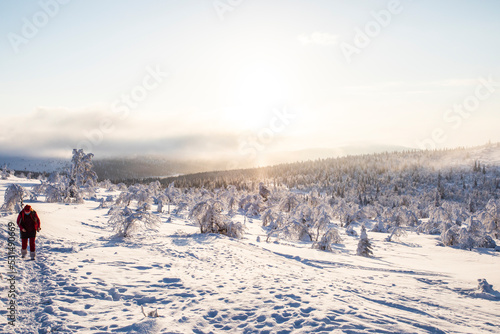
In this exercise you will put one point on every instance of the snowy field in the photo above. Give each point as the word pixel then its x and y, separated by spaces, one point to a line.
pixel 87 281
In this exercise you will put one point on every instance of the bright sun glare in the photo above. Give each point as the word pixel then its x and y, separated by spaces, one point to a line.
pixel 255 91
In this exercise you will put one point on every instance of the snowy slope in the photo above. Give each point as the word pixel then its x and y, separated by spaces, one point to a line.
pixel 86 281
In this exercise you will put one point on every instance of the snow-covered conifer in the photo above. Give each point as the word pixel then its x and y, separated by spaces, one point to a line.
pixel 364 245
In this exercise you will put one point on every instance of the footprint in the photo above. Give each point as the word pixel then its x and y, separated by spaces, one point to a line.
pixel 211 314
pixel 279 318
pixel 307 310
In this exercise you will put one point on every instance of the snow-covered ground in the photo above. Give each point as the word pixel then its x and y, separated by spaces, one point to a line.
pixel 87 281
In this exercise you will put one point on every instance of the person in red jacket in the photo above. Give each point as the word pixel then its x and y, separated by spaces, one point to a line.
pixel 29 223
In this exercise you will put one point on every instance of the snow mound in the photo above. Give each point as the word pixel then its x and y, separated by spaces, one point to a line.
pixel 485 291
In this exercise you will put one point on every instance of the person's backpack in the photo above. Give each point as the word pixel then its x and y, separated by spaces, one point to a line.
pixel 32 214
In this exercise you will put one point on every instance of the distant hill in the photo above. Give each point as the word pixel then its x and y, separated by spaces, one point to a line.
pixel 301 173
pixel 156 166
pixel 29 164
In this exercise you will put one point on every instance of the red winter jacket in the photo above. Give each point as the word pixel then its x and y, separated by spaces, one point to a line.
pixel 30 222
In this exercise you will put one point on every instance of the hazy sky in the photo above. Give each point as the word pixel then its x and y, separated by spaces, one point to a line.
pixel 246 78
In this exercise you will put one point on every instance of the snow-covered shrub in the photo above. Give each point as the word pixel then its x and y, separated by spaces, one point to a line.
pixel 55 177
pixel 491 218
pixel 347 213
pixel 108 185
pixel 472 236
pixel 305 223
pixel 278 227
pixel 55 193
pixel 479 234
pixel 181 207
pixel 288 229
pixel 466 240
pixel 253 208
pixel 438 220
pixel 429 227
pixel 403 217
pixel 235 229
pixel 159 202
pixel 264 192
pixel 351 231
pixel 396 232
pixel 251 205
pixel 73 194
pixel 268 217
pixel 364 245
pixel 210 218
pixel 328 239
pixel 13 199
pixel 380 227
pixel 5 173
pixel 289 203
pixel 232 205
pixel 450 236
pixel 144 207
pixel 320 219
pixel 38 190
pixel 486 241
pixel 102 204
pixel 127 223
pixel 136 192
pixel 106 202
pixel 154 188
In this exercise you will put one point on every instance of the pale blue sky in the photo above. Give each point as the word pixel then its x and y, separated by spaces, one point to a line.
pixel 227 75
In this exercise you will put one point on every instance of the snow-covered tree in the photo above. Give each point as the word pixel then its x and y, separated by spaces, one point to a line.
pixel 126 222
pixel 450 236
pixel 470 236
pixel 346 212
pixel 5 173
pixel 380 226
pixel 351 231
pixel 73 194
pixel 329 238
pixel 268 217
pixel 288 228
pixel 439 218
pixel 396 232
pixel 263 191
pixel 106 202
pixel 289 202
pixel 55 193
pixel 136 192
pixel 210 218
pixel 364 245
pixel 491 218
pixel 108 185
pixel 82 169
pixel 13 198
